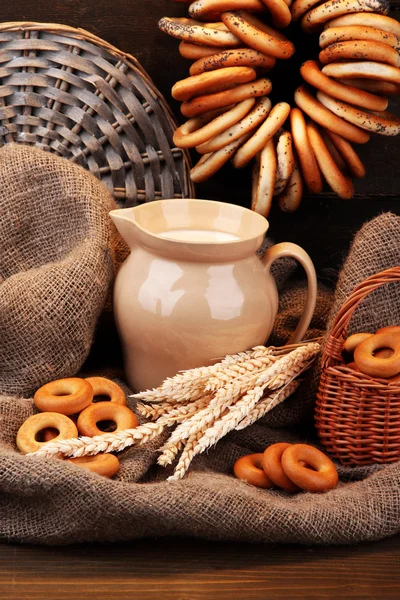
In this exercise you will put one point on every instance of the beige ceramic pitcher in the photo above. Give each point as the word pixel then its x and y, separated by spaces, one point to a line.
pixel 193 288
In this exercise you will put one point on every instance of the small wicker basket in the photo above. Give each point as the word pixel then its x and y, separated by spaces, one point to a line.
pixel 357 417
pixel 67 91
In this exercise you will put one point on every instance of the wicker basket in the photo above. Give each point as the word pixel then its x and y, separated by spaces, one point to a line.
pixel 69 92
pixel 357 416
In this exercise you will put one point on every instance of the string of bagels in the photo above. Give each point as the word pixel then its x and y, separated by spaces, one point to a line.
pixel 342 102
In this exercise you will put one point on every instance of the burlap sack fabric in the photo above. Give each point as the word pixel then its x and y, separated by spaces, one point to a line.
pixel 56 266
pixel 51 502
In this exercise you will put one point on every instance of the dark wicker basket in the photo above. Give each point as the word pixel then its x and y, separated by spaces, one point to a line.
pixel 71 93
pixel 357 416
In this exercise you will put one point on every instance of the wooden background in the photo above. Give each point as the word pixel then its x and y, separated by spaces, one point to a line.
pixel 193 569
pixel 323 225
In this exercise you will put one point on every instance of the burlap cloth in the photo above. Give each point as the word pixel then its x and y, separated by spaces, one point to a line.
pixel 50 502
pixel 56 266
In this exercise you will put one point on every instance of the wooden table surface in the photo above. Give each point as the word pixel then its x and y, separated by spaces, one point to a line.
pixel 192 569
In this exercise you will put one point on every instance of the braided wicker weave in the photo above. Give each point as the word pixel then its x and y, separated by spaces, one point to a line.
pixel 357 416
pixel 69 92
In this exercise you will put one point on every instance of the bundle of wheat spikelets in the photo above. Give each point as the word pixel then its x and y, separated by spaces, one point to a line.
pixel 204 404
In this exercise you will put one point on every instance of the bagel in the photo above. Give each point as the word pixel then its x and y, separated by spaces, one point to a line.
pixel 105 387
pixel 363 69
pixel 339 183
pixel 249 469
pixel 299 7
pixel 281 16
pixel 285 161
pixel 239 57
pixel 182 29
pixel 262 26
pixel 253 33
pixel 203 8
pixel 382 123
pixel 200 129
pixel 316 17
pixel 102 464
pixel 321 115
pixel 306 157
pixel 390 328
pixel 27 434
pixel 352 341
pixel 264 133
pixel 253 20
pixel 121 415
pixel 248 123
pixel 376 366
pixel 384 353
pixel 65 396
pixel 357 32
pixel 333 151
pixel 309 468
pixel 271 463
pixel 349 155
pixel 378 21
pixel 202 104
pixel 360 50
pixel 263 179
pixel 373 86
pixel 311 74
pixel 212 25
pixel 194 52
pixel 290 199
pixel 212 82
pixel 211 163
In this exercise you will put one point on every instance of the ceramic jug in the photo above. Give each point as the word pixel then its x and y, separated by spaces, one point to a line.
pixel 193 289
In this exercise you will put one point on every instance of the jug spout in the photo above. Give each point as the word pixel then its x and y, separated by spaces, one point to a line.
pixel 125 222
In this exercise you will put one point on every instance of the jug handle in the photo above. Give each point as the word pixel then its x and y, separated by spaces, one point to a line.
pixel 296 252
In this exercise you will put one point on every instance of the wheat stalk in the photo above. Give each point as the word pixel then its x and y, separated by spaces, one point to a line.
pixel 226 375
pixel 186 457
pixel 107 442
pixel 185 385
pixel 286 366
pixel 240 357
pixel 177 415
pixel 265 406
pixel 169 454
pixel 229 421
pixel 223 398
pixel 242 409
pixel 184 391
pixel 168 414
pixel 151 411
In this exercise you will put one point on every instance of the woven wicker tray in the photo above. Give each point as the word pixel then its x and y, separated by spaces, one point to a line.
pixel 70 92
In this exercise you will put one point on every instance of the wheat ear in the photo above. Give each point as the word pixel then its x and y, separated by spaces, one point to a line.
pixel 223 398
pixel 171 413
pixel 107 442
pixel 240 357
pixel 184 385
pixel 186 457
pixel 169 454
pixel 229 373
pixel 228 422
pixel 181 413
pixel 288 365
pixel 264 406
